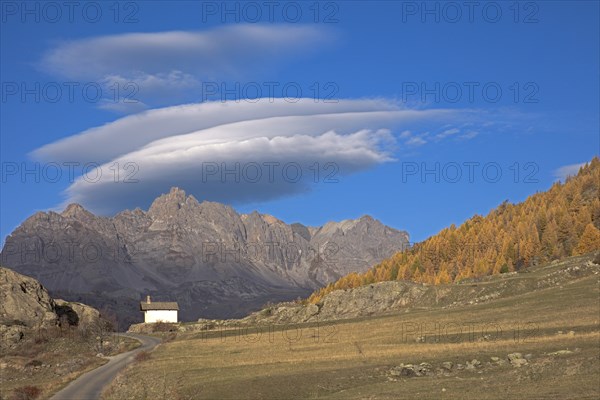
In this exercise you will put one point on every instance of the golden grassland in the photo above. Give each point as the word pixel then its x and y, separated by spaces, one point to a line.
pixel 351 359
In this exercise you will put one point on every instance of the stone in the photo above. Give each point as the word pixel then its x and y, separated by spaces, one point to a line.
pixel 514 356
pixel 447 365
pixel 560 353
pixel 517 360
pixel 407 370
pixel 473 364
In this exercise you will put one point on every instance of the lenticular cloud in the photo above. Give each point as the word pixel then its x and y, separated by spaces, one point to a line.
pixel 232 152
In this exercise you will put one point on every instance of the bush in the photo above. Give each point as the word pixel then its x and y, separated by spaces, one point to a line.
pixel 34 363
pixel 267 312
pixel 164 327
pixel 27 393
pixel 40 340
pixel 169 337
pixel 142 356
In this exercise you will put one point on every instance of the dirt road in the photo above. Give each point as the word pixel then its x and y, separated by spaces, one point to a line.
pixel 89 386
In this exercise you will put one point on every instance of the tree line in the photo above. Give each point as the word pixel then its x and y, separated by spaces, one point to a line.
pixel 563 221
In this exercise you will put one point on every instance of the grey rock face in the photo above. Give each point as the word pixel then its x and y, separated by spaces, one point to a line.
pixel 84 315
pixel 26 307
pixel 24 302
pixel 212 260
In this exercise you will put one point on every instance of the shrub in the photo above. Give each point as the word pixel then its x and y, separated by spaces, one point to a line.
pixel 142 356
pixel 163 327
pixel 40 340
pixel 267 312
pixel 169 337
pixel 34 363
pixel 27 393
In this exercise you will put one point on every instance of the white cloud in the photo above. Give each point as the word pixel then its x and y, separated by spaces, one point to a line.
pixel 230 49
pixel 165 66
pixel 469 135
pixel 200 167
pixel 170 147
pixel 170 85
pixel 416 141
pixel 446 133
pixel 122 106
pixel 127 134
pixel 563 172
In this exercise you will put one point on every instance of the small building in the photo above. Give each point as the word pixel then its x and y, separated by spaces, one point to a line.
pixel 159 311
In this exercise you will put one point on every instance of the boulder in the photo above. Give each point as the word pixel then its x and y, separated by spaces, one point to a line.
pixel 77 314
pixel 560 353
pixel 473 364
pixel 25 306
pixel 411 370
pixel 24 301
pixel 517 360
pixel 447 365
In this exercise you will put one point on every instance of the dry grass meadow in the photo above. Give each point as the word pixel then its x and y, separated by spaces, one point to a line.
pixel 47 363
pixel 352 359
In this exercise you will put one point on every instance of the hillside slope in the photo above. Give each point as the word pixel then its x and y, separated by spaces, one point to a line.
pixel 561 222
pixel 391 297
pixel 526 335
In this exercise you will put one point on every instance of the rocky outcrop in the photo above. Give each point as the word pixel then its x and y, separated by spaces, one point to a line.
pixel 24 301
pixel 26 307
pixel 393 296
pixel 77 314
pixel 214 261
pixel 403 371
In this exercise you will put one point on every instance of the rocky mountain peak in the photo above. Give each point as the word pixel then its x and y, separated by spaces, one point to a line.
pixel 175 195
pixel 269 219
pixel 168 204
pixel 75 210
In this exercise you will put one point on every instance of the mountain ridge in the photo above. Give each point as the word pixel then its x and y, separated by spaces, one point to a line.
pixel 180 247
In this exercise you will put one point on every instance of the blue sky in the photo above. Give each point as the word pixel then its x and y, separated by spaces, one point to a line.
pixel 389 90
